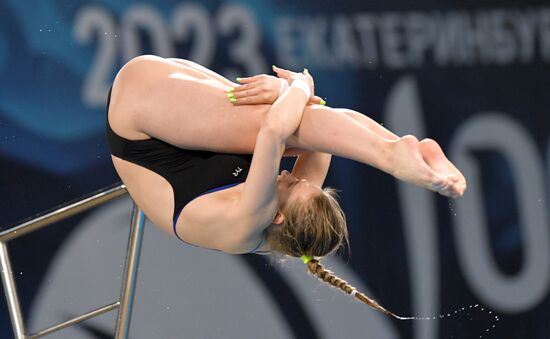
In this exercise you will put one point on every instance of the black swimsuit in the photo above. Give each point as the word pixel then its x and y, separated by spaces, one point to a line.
pixel 190 173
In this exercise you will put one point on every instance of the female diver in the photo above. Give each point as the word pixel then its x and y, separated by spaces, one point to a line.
pixel 200 155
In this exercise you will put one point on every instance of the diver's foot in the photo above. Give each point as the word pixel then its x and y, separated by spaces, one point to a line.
pixel 435 158
pixel 410 166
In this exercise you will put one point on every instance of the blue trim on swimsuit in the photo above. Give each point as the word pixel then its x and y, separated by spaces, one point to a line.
pixel 174 222
pixel 259 245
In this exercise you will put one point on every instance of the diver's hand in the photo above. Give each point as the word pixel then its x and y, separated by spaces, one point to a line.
pixel 256 90
pixel 289 76
pixel 264 89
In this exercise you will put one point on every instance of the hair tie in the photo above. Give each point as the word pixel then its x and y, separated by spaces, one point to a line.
pixel 306 259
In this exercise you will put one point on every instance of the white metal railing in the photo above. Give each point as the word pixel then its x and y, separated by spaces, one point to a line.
pixel 124 304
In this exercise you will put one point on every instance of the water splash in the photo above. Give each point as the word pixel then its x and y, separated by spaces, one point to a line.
pixel 451 209
pixel 467 310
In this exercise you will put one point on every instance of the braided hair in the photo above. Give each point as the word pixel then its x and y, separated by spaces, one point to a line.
pixel 316 228
pixel 314 267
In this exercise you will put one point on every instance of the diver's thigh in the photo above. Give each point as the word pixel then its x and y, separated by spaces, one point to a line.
pixel 204 72
pixel 197 114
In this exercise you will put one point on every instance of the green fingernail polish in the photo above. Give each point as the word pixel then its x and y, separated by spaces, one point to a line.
pixel 323 102
pixel 231 89
pixel 239 79
pixel 230 95
pixel 233 100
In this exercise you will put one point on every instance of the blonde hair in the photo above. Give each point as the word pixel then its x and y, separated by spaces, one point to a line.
pixel 316 228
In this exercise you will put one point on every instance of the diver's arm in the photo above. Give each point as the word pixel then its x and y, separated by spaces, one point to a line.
pixel 258 202
pixel 312 166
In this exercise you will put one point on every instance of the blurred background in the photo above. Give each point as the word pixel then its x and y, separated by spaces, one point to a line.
pixel 473 75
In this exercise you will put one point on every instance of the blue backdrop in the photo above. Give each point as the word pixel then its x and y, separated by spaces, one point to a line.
pixel 473 76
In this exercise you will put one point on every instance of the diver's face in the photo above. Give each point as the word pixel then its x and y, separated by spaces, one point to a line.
pixel 290 189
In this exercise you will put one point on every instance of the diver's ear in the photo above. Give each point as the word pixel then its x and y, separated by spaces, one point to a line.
pixel 278 219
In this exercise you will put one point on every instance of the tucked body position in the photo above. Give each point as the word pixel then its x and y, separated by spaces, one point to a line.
pixel 200 155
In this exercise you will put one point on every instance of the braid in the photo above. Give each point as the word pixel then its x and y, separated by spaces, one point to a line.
pixel 315 268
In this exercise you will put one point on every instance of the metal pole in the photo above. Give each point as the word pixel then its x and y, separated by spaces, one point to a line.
pixel 62 213
pixel 11 293
pixel 130 274
pixel 74 321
